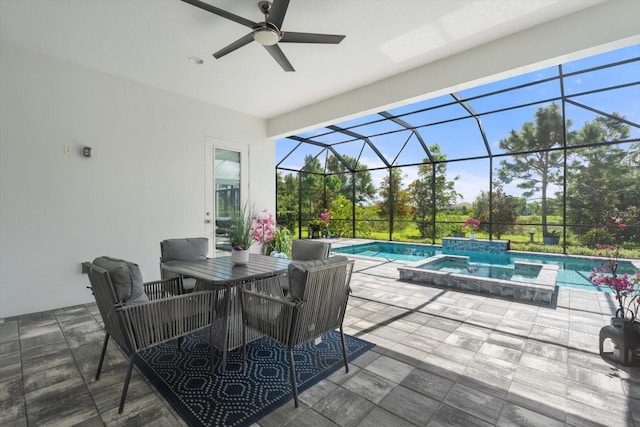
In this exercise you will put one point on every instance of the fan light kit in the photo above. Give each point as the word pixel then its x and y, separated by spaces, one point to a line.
pixel 266 36
pixel 267 33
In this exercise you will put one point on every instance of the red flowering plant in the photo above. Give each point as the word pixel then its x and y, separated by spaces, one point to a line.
pixel 322 220
pixel 471 223
pixel 263 228
pixel 325 217
pixel 626 286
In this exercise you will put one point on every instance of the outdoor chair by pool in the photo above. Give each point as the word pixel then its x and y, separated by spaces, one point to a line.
pixel 305 250
pixel 187 249
pixel 315 306
pixel 137 316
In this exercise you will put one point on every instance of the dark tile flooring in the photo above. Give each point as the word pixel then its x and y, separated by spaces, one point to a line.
pixel 443 358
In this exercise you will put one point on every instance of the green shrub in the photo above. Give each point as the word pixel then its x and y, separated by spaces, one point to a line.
pixel 536 247
pixel 281 241
pixel 596 236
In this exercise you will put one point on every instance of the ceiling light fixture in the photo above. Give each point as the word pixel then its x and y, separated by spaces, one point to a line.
pixel 267 34
pixel 196 60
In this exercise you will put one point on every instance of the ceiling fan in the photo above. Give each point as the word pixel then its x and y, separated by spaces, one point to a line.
pixel 267 33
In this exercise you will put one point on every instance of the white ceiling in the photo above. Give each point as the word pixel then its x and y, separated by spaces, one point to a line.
pixel 150 41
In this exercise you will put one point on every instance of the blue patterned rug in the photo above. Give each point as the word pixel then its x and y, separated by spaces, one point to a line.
pixel 236 398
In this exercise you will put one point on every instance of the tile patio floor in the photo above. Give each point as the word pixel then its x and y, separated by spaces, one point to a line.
pixel 443 358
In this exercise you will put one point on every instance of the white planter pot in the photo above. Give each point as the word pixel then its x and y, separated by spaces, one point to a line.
pixel 239 257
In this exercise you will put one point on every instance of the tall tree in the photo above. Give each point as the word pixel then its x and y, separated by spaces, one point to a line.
pixel 533 164
pixel 504 209
pixel 287 199
pixel 604 179
pixel 421 191
pixel 392 193
pixel 365 190
pixel 312 188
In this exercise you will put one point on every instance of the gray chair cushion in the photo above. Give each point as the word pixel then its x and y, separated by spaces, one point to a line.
pixel 189 249
pixel 188 283
pixel 305 250
pixel 126 278
pixel 297 274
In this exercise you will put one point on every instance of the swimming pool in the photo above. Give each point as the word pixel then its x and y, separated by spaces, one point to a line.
pixel 574 271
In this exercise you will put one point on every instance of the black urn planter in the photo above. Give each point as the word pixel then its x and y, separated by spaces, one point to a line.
pixel 314 231
pixel 551 240
pixel 625 337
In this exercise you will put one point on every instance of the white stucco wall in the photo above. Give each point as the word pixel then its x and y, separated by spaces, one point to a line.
pixel 144 182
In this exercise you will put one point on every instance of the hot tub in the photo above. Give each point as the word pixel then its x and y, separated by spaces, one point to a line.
pixel 530 282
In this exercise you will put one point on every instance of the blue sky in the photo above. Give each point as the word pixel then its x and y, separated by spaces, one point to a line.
pixel 461 138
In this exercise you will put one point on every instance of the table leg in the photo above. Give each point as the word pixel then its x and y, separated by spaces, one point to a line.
pixel 226 332
pixel 225 329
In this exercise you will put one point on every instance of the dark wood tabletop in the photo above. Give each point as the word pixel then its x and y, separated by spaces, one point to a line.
pixel 221 271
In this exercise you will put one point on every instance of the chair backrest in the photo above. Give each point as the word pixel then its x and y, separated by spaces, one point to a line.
pixel 187 249
pixel 106 299
pixel 305 250
pixel 325 296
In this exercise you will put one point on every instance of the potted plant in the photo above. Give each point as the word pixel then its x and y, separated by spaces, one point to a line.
pixel 263 230
pixel 472 225
pixel 457 230
pixel 240 236
pixel 314 228
pixel 551 238
pixel 319 226
pixel 280 245
pixel 325 217
pixel 624 329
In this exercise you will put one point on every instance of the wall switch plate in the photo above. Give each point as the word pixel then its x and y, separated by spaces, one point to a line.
pixel 67 149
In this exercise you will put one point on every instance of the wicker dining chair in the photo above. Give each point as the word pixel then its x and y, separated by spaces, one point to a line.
pixel 183 249
pixel 319 292
pixel 137 316
pixel 306 250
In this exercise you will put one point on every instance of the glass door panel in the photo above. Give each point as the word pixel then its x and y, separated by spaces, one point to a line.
pixel 226 190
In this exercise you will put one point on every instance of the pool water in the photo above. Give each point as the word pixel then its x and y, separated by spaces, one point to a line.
pixel 390 250
pixel 526 275
pixel 574 272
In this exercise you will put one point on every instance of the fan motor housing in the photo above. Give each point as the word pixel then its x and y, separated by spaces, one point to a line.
pixel 265 6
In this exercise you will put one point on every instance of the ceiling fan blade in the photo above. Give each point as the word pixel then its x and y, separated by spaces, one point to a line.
pixel 221 12
pixel 277 12
pixel 233 46
pixel 292 37
pixel 278 55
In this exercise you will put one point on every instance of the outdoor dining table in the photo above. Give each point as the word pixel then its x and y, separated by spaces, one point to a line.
pixel 222 276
